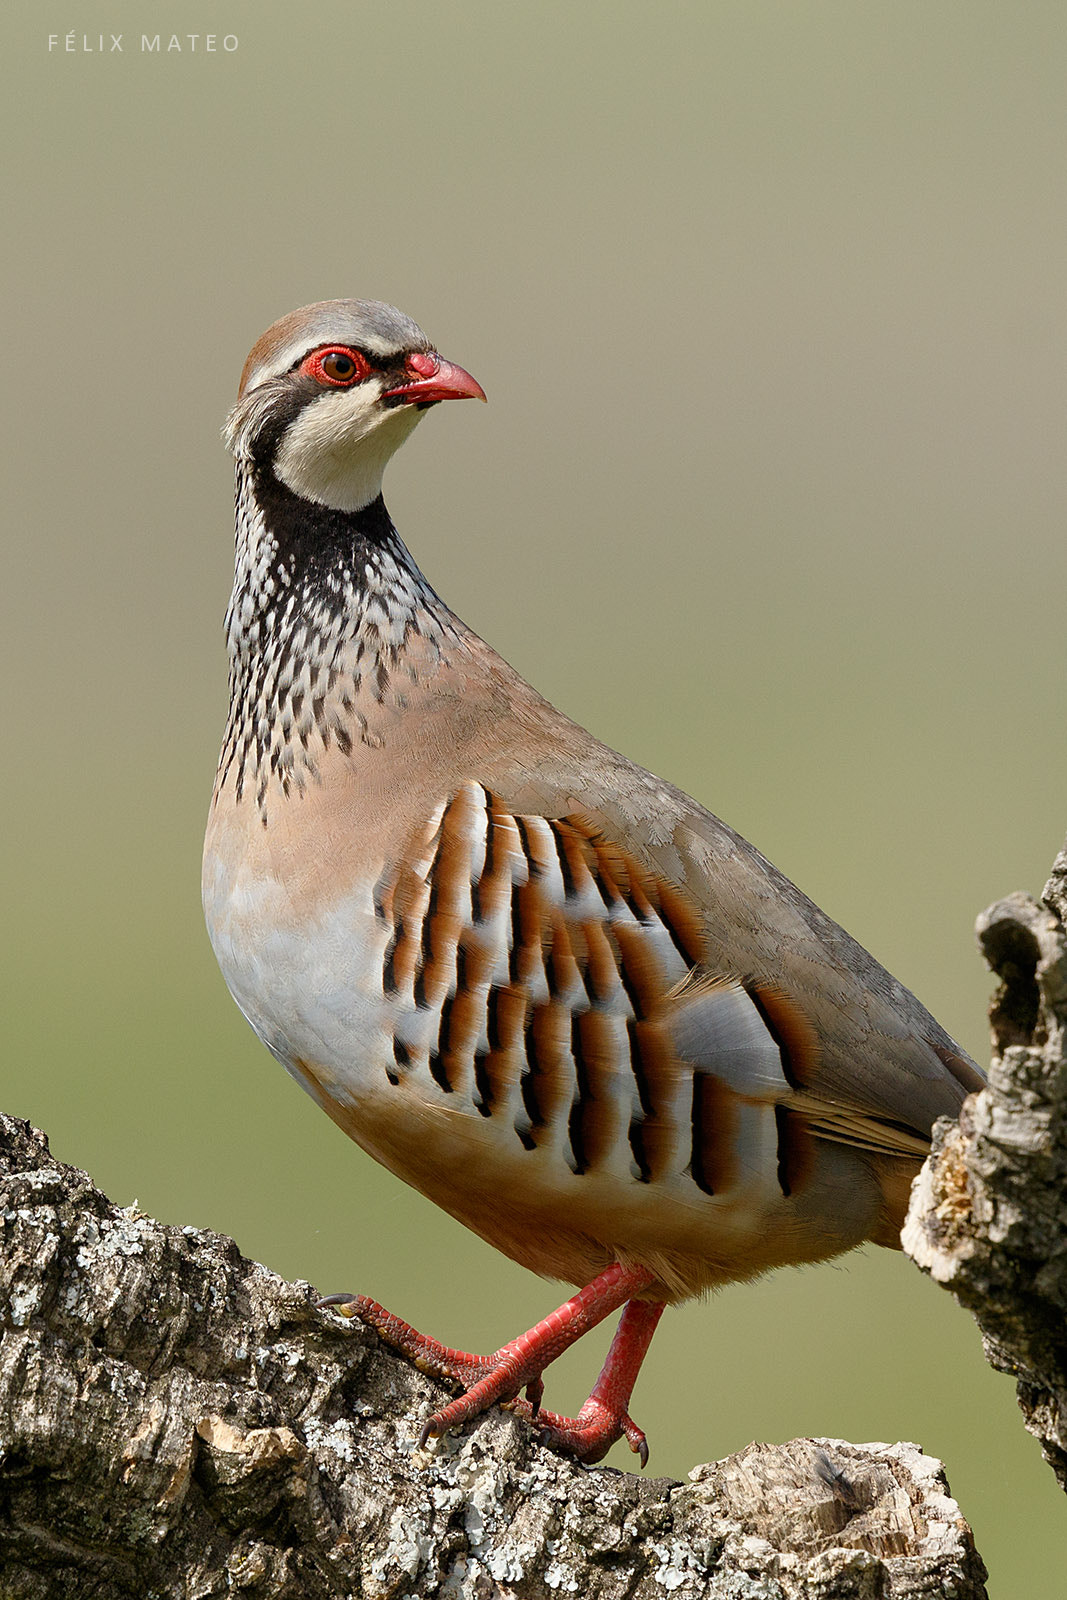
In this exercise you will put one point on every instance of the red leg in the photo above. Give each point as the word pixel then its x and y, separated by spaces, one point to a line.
pixel 519 1364
pixel 605 1415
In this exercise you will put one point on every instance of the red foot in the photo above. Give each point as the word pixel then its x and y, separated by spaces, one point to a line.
pixel 590 1435
pixel 518 1366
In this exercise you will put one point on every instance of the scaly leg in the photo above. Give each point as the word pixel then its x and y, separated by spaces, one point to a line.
pixel 605 1416
pixel 518 1365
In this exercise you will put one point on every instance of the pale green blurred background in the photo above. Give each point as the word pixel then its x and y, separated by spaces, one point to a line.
pixel 768 301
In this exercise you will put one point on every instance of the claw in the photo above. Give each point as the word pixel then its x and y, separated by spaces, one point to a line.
pixel 635 1438
pixel 344 1304
pixel 535 1393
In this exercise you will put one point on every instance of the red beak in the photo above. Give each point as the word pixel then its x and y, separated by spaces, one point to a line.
pixel 433 379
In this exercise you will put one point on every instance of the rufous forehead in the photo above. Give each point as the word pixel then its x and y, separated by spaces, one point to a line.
pixel 371 325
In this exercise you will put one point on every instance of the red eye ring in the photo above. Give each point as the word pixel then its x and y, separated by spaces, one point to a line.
pixel 336 366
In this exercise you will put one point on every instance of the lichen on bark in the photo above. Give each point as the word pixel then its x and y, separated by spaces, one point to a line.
pixel 177 1421
pixel 988 1217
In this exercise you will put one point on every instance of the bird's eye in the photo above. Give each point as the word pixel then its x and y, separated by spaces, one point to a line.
pixel 337 366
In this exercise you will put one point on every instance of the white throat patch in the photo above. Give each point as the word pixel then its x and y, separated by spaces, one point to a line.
pixel 336 450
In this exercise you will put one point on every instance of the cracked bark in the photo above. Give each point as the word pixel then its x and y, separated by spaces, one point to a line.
pixel 177 1421
pixel 988 1213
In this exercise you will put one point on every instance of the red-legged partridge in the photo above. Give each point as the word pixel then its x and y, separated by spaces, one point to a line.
pixel 545 987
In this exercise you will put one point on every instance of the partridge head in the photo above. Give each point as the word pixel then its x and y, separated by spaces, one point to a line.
pixel 543 986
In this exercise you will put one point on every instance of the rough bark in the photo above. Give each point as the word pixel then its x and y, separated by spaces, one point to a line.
pixel 177 1421
pixel 988 1216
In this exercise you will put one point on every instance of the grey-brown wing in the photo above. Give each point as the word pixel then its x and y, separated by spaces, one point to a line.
pixel 551 980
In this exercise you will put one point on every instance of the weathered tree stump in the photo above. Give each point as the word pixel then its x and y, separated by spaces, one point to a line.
pixel 177 1421
pixel 988 1217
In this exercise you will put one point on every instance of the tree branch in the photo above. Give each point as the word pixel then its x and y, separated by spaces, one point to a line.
pixel 178 1421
